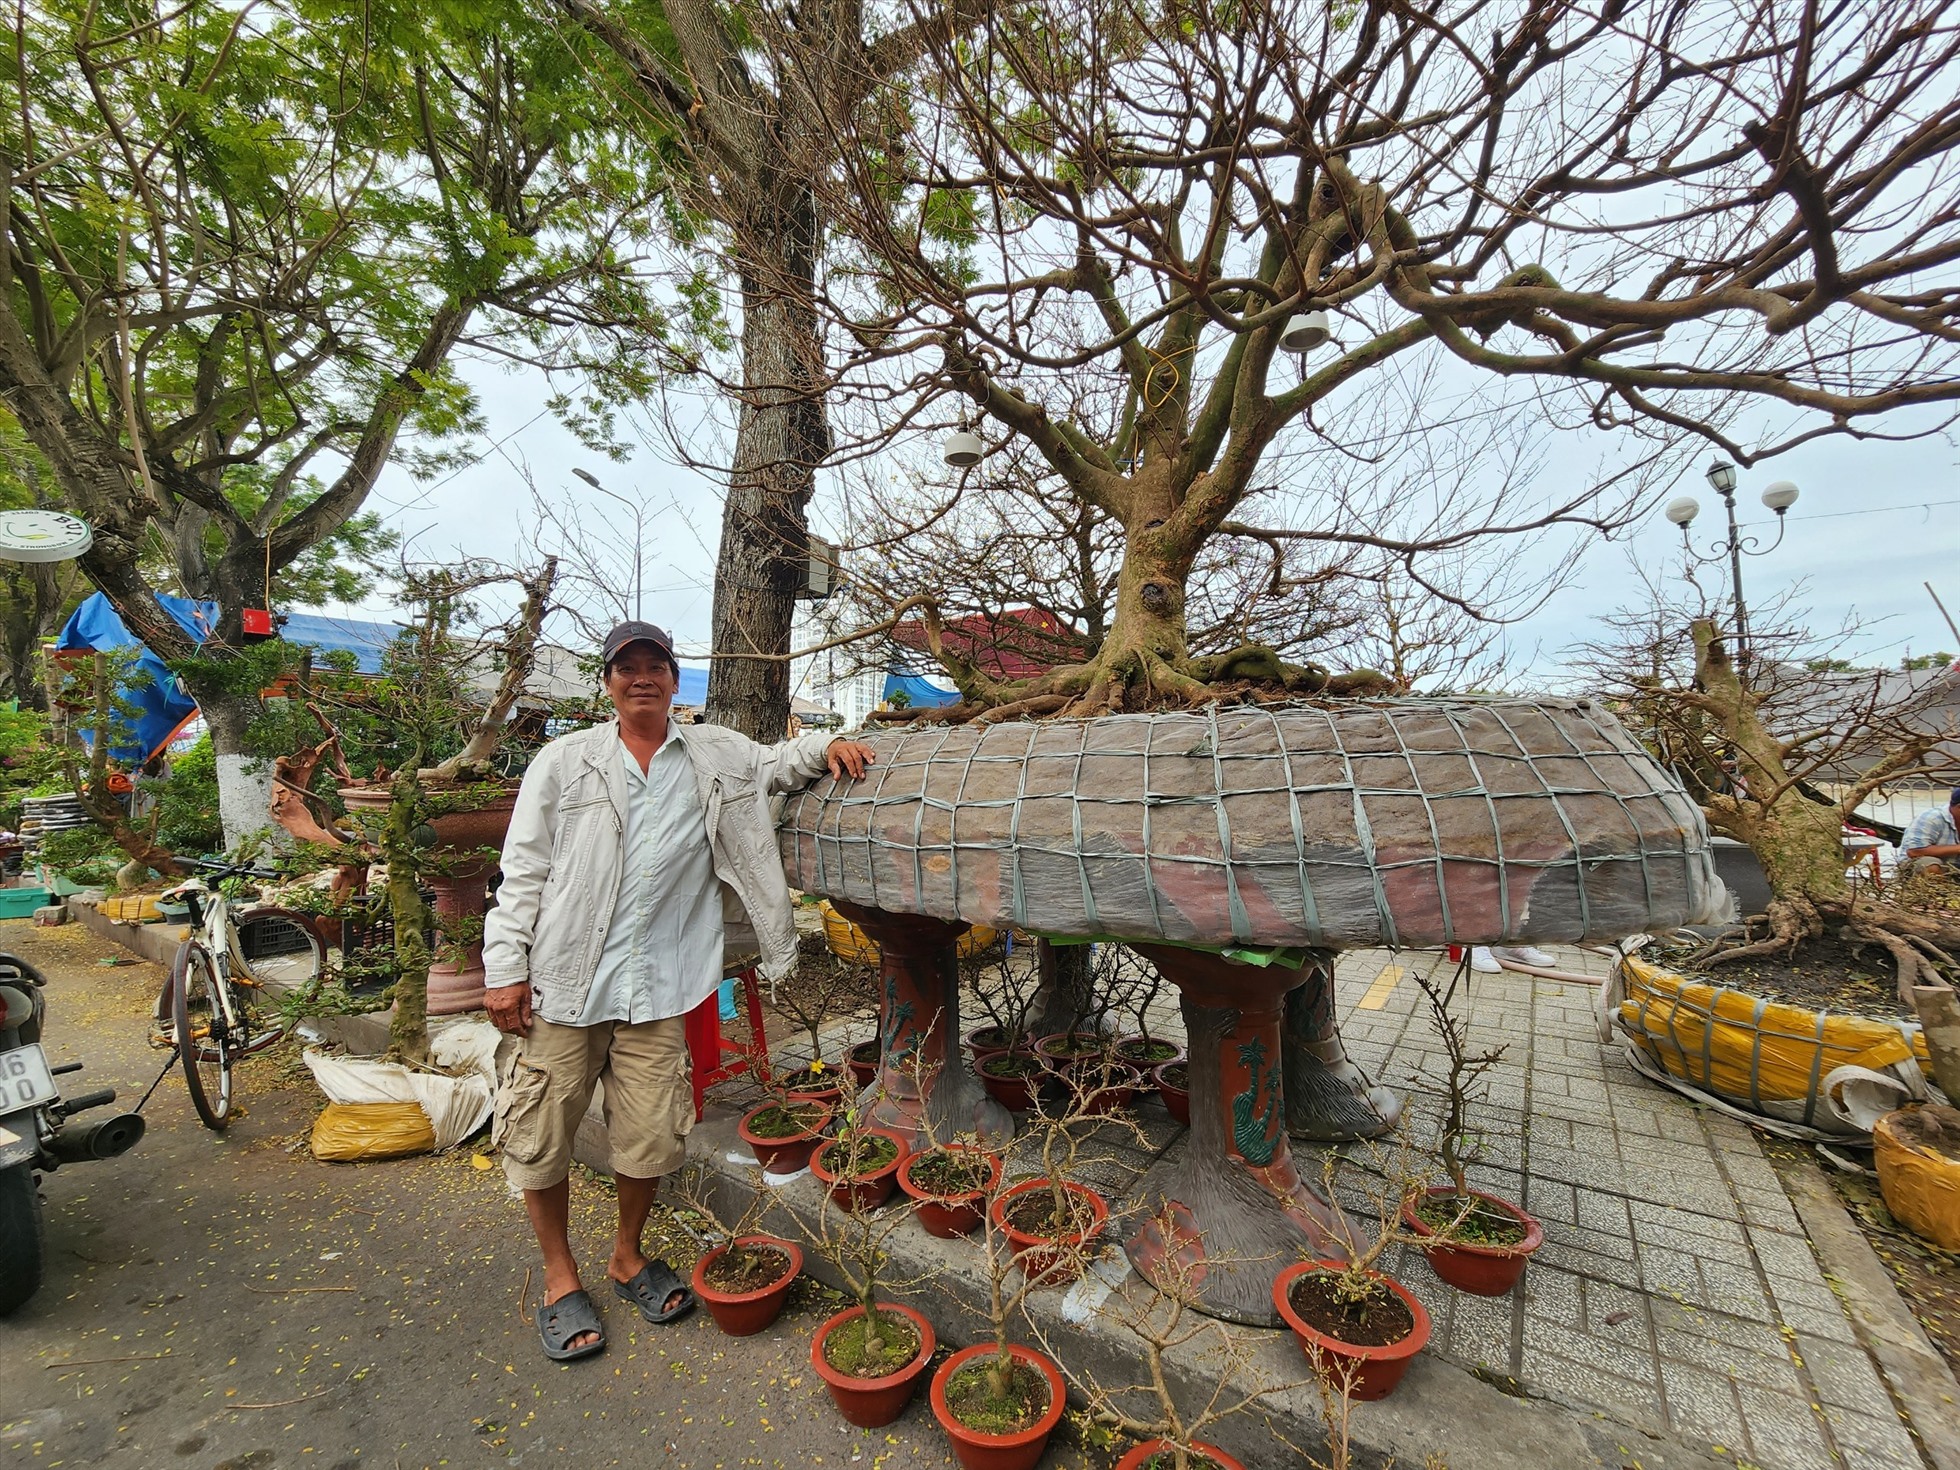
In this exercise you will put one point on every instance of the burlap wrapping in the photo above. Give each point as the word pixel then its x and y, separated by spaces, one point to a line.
pixel 1405 822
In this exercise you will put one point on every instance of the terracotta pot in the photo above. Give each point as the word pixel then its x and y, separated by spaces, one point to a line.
pixel 1046 1259
pixel 863 1060
pixel 1129 1050
pixel 985 1040
pixel 978 1451
pixel 784 1155
pixel 830 1090
pixel 1481 1270
pixel 1017 1094
pixel 1376 1369
pixel 1177 1099
pixel 1137 1457
pixel 745 1313
pixel 872 1403
pixel 950 1215
pixel 1050 1047
pixel 1102 1087
pixel 863 1192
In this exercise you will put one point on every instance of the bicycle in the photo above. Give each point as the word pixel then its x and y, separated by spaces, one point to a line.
pixel 208 1009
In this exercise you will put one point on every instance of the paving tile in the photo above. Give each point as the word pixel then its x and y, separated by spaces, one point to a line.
pixel 1784 1434
pixel 1616 1312
pixel 1734 1289
pixel 1702 1403
pixel 1606 1354
pixel 1480 1332
pixel 1828 1323
pixel 1774 1372
pixel 1785 1254
pixel 1584 1383
pixel 1555 1297
pixel 1844 1376
pixel 1873 1442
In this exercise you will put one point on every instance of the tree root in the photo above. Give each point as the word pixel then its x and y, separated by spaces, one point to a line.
pixel 1791 921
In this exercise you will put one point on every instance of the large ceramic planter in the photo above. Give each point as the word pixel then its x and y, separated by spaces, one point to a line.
pixel 949 1216
pixel 462 889
pixel 872 1403
pixel 1481 1270
pixel 1047 1260
pixel 1376 1370
pixel 980 1451
pixel 784 1155
pixel 745 1313
pixel 1137 1458
pixel 864 1192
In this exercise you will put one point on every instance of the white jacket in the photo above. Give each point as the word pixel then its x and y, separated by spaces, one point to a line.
pixel 564 855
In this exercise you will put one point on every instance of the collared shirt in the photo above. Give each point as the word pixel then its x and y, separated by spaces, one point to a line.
pixel 1931 828
pixel 662 955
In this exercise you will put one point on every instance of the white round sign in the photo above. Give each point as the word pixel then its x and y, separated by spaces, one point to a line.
pixel 42 535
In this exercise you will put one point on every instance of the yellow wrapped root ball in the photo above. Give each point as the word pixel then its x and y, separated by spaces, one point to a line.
pixel 349 1133
pixel 1917 1152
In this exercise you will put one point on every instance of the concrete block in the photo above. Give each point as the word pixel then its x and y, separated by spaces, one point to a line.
pixel 51 915
pixel 1844 1376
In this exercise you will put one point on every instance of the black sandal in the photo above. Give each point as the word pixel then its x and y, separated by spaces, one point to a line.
pixel 561 1321
pixel 652 1289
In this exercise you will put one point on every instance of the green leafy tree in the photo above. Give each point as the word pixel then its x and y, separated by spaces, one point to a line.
pixel 246 245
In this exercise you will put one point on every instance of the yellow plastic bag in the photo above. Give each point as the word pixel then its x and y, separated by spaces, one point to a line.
pixel 1758 1054
pixel 1917 1151
pixel 848 942
pixel 348 1133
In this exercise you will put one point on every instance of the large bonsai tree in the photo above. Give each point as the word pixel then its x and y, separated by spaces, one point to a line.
pixel 1098 231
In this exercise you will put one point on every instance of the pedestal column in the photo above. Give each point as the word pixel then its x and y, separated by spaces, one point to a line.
pixel 1229 1211
pixel 1328 1098
pixel 919 1066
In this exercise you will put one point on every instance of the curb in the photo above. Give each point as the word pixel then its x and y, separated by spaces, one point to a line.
pixel 1913 1368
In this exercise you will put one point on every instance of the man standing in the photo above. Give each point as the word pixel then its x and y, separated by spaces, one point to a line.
pixel 635 849
pixel 1932 842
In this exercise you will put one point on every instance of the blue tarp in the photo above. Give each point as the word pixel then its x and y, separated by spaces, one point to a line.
pixel 919 693
pixel 163 703
pixel 693 689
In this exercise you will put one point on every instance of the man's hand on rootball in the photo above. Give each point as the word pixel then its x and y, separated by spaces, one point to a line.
pixel 509 1007
pixel 848 758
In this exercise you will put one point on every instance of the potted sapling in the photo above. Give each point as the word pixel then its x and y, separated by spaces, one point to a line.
pixel 822 987
pixel 1476 1241
pixel 1141 1048
pixel 1159 1316
pixel 999 1400
pixel 1356 1324
pixel 872 1354
pixel 860 1165
pixel 745 1280
pixel 949 1183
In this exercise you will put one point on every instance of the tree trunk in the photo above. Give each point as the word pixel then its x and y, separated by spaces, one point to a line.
pixel 408 1031
pixel 244 780
pixel 781 436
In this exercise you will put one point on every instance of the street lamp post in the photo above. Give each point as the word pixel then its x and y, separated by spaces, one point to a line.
pixel 639 516
pixel 1779 497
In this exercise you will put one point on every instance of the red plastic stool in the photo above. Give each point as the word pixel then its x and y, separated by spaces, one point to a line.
pixel 715 1057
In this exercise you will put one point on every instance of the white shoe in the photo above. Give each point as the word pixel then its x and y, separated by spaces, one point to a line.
pixel 1524 954
pixel 1484 962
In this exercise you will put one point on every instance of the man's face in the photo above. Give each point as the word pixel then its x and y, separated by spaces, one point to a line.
pixel 641 681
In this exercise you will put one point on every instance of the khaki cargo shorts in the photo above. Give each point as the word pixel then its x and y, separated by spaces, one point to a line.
pixel 547 1086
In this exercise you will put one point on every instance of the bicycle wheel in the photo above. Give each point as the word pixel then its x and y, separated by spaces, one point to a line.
pixel 279 947
pixel 203 1040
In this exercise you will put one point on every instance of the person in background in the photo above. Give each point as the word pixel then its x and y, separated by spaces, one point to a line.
pixel 1932 841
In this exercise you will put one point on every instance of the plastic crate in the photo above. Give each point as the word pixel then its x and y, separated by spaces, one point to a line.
pixel 20 903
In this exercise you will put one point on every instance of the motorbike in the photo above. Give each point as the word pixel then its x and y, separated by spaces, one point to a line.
pixel 38 1132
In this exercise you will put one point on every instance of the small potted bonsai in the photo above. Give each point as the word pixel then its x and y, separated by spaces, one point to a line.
pixel 1012 1078
pixel 872 1354
pixel 1052 1222
pixel 1477 1242
pixel 1357 1326
pixel 1140 1048
pixel 1161 1320
pixel 860 1165
pixel 863 1059
pixel 745 1280
pixel 949 1183
pixel 1005 993
pixel 999 1401
pixel 824 987
pixel 784 1131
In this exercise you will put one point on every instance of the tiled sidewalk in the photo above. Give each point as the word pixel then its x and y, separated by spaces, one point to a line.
pixel 1676 1286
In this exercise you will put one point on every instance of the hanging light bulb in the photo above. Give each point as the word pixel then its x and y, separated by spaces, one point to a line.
pixel 1306 331
pixel 963 448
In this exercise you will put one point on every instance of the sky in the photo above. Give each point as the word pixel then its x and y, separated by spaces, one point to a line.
pixel 1875 520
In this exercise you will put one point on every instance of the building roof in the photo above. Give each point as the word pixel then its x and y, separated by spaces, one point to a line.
pixel 1015 643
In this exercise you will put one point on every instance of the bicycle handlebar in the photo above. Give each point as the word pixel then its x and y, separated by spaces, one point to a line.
pixel 225 868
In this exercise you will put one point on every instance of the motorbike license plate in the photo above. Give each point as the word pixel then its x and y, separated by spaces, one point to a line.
pixel 25 1080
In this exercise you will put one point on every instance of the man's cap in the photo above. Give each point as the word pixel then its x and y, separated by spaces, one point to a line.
pixel 635 632
pixel 1954 798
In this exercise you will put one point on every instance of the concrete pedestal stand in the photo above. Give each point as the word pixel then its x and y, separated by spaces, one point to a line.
pixel 1328 1098
pixel 920 1070
pixel 1230 1212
